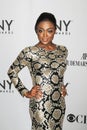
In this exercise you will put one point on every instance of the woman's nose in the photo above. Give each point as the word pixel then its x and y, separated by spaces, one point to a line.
pixel 45 34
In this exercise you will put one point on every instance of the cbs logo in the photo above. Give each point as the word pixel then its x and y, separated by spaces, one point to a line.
pixel 79 118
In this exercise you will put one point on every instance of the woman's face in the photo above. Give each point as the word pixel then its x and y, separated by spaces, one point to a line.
pixel 45 32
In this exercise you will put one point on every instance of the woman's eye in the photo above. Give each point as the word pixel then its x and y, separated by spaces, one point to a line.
pixel 50 31
pixel 40 31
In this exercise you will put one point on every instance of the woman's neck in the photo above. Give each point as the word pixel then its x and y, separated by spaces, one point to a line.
pixel 49 46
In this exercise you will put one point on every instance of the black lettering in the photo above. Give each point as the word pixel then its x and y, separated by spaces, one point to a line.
pixel 84 56
pixel 66 24
pixel 60 25
pixel 2 26
pixel 9 24
pixel 85 119
pixel 9 84
pixel 3 85
pixel 79 118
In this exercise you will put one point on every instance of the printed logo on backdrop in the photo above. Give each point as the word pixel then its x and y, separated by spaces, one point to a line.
pixel 6 26
pixel 6 87
pixel 64 27
pixel 81 119
pixel 81 63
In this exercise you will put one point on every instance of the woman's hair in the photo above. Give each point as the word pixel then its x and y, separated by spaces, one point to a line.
pixel 46 17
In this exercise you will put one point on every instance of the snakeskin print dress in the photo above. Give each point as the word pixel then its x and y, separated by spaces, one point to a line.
pixel 47 70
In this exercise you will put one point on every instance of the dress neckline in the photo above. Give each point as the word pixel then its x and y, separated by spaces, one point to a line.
pixel 56 47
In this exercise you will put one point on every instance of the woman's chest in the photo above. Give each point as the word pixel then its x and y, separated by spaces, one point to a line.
pixel 48 59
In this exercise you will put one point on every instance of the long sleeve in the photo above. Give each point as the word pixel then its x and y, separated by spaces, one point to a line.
pixel 23 59
pixel 65 55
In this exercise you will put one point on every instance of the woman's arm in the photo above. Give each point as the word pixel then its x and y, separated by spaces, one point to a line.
pixel 20 62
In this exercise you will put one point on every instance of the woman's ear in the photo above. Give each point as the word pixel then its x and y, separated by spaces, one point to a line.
pixel 56 31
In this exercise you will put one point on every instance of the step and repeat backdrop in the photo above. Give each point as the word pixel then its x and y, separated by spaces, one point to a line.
pixel 17 20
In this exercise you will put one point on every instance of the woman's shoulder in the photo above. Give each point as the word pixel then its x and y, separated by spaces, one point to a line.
pixel 32 48
pixel 26 48
pixel 62 48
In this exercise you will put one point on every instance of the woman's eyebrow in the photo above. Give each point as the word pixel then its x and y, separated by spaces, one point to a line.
pixel 43 28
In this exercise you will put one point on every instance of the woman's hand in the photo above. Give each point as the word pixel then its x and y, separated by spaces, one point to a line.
pixel 34 92
pixel 64 90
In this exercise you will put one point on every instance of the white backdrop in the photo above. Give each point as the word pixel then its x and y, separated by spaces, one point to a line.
pixel 17 20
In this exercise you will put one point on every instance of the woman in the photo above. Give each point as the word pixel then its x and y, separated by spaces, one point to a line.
pixel 47 63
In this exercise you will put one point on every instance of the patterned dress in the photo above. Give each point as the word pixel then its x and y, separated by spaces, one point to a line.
pixel 47 70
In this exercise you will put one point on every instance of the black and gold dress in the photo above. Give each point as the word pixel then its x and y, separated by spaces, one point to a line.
pixel 47 70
